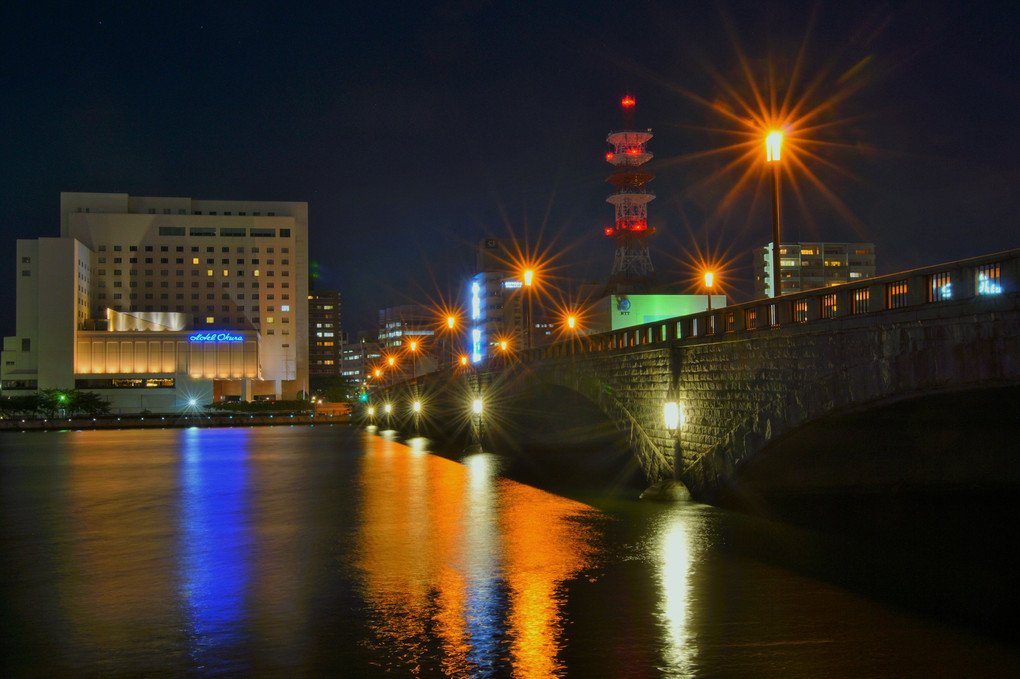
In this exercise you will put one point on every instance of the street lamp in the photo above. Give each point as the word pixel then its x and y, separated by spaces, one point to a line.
pixel 451 321
pixel 571 322
pixel 414 368
pixel 709 278
pixel 773 143
pixel 528 275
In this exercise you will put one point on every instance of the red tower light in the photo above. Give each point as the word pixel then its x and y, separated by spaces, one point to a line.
pixel 632 265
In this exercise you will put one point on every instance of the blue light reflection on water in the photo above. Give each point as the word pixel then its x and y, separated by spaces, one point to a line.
pixel 486 596
pixel 216 541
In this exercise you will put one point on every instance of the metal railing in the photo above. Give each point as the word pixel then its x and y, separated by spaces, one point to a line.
pixel 942 284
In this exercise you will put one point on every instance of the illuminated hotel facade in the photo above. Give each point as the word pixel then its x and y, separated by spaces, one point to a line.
pixel 162 303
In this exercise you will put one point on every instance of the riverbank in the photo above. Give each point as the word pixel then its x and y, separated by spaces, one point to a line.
pixel 170 421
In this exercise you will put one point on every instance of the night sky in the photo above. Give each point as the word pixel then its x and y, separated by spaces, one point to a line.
pixel 415 129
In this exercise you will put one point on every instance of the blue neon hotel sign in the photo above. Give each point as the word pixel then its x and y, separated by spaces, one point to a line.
pixel 215 337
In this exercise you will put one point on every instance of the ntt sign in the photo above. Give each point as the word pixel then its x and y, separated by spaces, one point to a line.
pixel 215 337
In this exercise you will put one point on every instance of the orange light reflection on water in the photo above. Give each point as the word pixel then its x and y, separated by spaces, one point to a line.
pixel 476 561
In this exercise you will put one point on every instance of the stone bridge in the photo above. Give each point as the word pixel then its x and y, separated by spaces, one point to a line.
pixel 813 390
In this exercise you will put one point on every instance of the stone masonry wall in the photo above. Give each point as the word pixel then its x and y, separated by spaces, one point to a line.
pixel 740 393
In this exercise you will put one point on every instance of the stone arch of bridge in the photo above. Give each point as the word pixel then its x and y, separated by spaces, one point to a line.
pixel 638 421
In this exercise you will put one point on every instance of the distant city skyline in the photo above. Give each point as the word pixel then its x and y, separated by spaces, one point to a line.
pixel 415 131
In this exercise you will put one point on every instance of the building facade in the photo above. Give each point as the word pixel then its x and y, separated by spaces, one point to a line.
pixel 360 357
pixel 806 266
pixel 325 345
pixel 496 300
pixel 162 303
pixel 399 326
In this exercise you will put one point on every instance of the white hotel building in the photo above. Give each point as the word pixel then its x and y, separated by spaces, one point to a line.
pixel 156 303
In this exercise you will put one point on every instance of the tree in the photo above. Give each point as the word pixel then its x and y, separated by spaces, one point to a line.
pixel 335 389
pixel 54 401
pixel 90 403
pixel 19 405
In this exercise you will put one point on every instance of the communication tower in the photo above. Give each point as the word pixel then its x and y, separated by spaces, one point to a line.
pixel 632 265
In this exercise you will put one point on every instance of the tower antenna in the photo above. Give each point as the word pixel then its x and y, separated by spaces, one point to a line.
pixel 632 264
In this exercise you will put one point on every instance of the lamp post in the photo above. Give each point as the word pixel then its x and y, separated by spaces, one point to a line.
pixel 451 321
pixel 709 278
pixel 528 276
pixel 571 322
pixel 414 366
pixel 773 143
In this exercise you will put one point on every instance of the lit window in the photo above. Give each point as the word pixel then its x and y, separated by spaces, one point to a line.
pixel 208 272
pixel 210 319
pixel 940 287
pixel 988 280
pixel 194 260
pixel 226 273
pixel 255 273
pixel 285 307
pixel 269 319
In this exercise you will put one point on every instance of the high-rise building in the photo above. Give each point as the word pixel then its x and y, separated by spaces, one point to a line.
pixel 496 300
pixel 360 357
pixel 325 346
pixel 805 266
pixel 399 326
pixel 162 303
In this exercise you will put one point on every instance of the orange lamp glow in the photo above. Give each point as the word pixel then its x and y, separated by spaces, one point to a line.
pixel 570 322
pixel 463 360
pixel 414 346
pixel 528 275
pixel 450 321
pixel 627 102
pixel 709 276
pixel 392 360
pixel 773 143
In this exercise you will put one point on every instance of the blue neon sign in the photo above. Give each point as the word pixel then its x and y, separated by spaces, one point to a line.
pixel 215 337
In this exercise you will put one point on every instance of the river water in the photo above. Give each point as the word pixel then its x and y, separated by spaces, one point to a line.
pixel 325 551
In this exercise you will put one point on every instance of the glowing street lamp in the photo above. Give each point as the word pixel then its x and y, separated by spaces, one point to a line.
pixel 476 406
pixel 414 364
pixel 773 143
pixel 416 406
pixel 571 323
pixel 528 276
pixel 464 360
pixel 709 278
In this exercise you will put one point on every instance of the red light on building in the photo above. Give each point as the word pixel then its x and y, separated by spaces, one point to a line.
pixel 627 102
pixel 609 156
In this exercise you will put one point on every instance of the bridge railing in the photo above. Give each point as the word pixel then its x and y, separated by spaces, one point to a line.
pixel 988 275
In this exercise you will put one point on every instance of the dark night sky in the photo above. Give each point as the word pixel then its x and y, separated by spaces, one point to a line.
pixel 414 129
